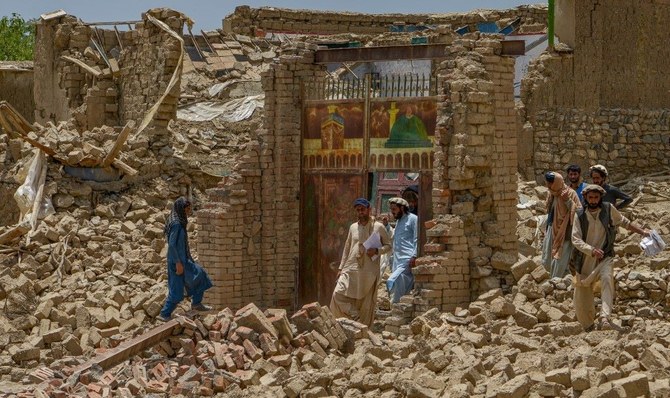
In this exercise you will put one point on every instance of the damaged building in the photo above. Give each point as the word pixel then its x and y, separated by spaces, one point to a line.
pixel 273 125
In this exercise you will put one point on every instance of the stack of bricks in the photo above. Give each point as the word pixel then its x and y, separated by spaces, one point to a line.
pixel 256 21
pixel 443 279
pixel 402 314
pixel 229 240
pixel 280 167
pixel 318 322
pixel 501 233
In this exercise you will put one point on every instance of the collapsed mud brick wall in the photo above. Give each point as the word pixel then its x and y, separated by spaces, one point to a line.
pixel 119 85
pixel 255 21
pixel 599 103
pixel 250 229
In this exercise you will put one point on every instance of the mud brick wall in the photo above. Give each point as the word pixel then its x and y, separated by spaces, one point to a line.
pixel 146 68
pixel 606 101
pixel 146 58
pixel 250 230
pixel 477 167
pixel 255 21
pixel 229 238
pixel 628 142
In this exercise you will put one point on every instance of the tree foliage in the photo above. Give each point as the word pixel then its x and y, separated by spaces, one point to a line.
pixel 17 38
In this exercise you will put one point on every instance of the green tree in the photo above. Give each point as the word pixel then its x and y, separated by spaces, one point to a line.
pixel 17 38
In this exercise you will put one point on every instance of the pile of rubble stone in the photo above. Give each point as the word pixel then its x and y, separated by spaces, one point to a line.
pixel 93 272
pixel 92 278
pixel 496 347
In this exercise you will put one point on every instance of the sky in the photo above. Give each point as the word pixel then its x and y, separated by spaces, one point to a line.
pixel 208 14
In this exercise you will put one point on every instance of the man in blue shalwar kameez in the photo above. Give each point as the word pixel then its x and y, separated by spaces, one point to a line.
pixel 183 271
pixel 405 247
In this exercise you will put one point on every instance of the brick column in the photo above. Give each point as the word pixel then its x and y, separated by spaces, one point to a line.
pixel 250 230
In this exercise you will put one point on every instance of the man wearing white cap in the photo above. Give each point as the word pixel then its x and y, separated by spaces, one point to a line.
pixel 612 193
pixel 355 294
pixel 593 235
pixel 405 244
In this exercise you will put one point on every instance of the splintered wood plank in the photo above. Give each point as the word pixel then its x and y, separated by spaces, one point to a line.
pixel 94 71
pixel 130 348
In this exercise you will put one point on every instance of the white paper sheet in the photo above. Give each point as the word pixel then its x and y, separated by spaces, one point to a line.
pixel 653 244
pixel 373 242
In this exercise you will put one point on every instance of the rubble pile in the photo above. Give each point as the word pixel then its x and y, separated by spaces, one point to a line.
pixel 496 347
pixel 93 272
pixel 217 353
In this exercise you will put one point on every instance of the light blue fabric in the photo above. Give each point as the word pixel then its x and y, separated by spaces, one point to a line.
pixel 405 241
pixel 194 278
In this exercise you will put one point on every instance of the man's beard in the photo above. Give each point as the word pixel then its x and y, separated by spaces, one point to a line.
pixel 573 181
pixel 594 206
pixel 399 215
pixel 363 219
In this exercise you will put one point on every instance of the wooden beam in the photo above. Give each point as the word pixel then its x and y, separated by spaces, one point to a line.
pixel 387 53
pixel 111 23
pixel 118 37
pixel 17 117
pixel 130 348
pixel 120 140
pixel 4 124
pixel 95 72
pixel 124 167
pixel 195 43
pixel 392 53
pixel 119 164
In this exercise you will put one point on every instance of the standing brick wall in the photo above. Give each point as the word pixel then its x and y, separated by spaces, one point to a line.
pixel 146 68
pixel 250 229
pixel 474 180
pixel 606 100
pixel 255 21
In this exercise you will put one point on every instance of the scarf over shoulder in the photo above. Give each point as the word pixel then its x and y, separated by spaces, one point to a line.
pixel 562 215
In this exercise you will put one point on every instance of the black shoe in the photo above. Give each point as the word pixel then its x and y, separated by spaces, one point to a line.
pixel 201 307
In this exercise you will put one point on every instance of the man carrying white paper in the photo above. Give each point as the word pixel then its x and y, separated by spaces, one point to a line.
pixel 355 294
